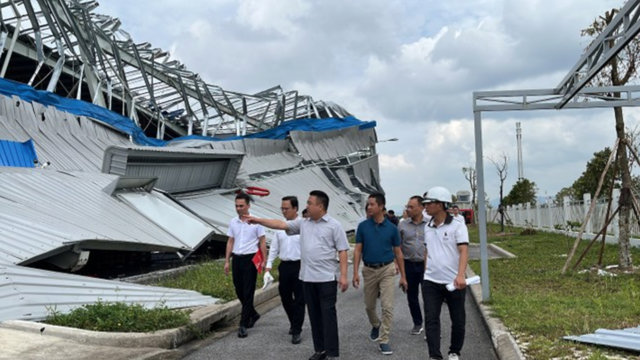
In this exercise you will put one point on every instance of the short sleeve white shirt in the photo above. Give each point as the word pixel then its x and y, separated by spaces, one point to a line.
pixel 442 249
pixel 286 247
pixel 245 236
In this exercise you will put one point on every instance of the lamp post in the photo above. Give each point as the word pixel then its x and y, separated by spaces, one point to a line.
pixel 387 140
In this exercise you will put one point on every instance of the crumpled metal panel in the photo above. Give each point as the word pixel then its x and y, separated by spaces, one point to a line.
pixel 367 173
pixel 332 144
pixel 30 294
pixel 262 155
pixel 266 155
pixel 68 142
pixel 45 211
pixel 628 339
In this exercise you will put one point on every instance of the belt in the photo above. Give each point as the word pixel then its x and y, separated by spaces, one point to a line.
pixel 377 265
pixel 289 261
pixel 242 256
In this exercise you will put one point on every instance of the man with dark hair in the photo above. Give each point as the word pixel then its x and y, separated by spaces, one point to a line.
pixel 412 245
pixel 287 248
pixel 320 237
pixel 378 242
pixel 244 241
pixel 391 215
pixel 447 253
pixel 455 212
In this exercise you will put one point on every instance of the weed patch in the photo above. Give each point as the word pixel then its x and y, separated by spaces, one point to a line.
pixel 120 317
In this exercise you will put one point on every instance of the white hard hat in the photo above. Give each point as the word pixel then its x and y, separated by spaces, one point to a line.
pixel 437 193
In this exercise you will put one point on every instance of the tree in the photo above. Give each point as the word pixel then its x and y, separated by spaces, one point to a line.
pixel 587 183
pixel 501 169
pixel 523 192
pixel 618 72
pixel 470 175
pixel 565 191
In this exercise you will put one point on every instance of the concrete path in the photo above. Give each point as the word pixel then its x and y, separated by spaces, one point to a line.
pixel 269 338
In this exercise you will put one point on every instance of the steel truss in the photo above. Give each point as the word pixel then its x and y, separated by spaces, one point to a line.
pixel 569 94
pixel 66 37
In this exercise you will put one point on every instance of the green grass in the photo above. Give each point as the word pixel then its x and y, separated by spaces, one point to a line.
pixel 120 317
pixel 540 305
pixel 208 278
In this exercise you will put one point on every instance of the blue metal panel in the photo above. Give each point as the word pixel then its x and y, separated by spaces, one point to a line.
pixel 17 154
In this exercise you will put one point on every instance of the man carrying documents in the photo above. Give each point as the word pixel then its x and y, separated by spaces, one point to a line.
pixel 446 262
pixel 244 242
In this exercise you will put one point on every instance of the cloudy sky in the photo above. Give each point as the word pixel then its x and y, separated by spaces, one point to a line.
pixel 410 65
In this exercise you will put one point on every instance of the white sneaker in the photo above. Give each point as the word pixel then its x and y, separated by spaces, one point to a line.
pixel 417 330
pixel 454 356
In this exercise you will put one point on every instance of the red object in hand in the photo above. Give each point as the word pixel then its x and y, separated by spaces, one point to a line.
pixel 257 261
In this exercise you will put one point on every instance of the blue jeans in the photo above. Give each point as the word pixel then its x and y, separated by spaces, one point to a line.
pixel 434 295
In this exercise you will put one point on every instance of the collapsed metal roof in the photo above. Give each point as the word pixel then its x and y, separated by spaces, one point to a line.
pixel 165 196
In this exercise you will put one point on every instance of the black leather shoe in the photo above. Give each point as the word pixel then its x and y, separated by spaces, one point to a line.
pixel 242 332
pixel 319 356
pixel 252 321
pixel 296 339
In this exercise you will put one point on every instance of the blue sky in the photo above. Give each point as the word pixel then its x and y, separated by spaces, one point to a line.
pixel 410 65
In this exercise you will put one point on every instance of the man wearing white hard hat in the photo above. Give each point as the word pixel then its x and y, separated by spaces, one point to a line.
pixel 447 253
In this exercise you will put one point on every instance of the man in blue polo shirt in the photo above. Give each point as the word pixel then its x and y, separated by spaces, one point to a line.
pixel 378 243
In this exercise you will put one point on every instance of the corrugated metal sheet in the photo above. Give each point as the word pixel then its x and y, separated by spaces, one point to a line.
pixel 68 142
pixel 18 154
pixel 367 173
pixel 266 155
pixel 327 145
pixel 29 294
pixel 44 211
pixel 262 155
pixel 628 339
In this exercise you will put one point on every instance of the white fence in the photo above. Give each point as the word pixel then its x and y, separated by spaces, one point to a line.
pixel 558 217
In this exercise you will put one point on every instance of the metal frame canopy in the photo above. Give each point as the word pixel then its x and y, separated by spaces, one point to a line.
pixel 63 46
pixel 569 94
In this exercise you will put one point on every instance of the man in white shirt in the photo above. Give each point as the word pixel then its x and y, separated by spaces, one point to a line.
pixel 447 252
pixel 244 242
pixel 287 248
pixel 321 236
pixel 455 212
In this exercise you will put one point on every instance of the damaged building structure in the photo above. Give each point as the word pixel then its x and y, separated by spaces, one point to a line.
pixel 109 148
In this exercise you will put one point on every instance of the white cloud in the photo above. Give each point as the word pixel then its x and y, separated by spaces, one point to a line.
pixel 394 163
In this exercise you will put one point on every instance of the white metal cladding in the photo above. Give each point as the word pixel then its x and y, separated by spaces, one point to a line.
pixel 218 209
pixel 177 169
pixel 262 155
pixel 331 144
pixel 29 294
pixel 265 155
pixel 67 141
pixel 45 210
pixel 367 172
